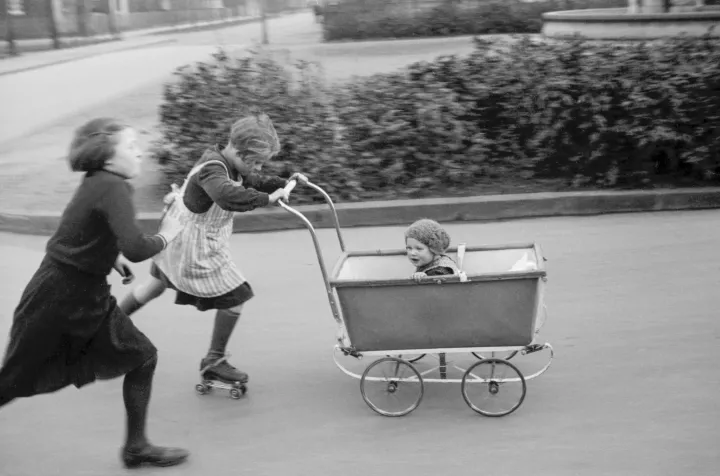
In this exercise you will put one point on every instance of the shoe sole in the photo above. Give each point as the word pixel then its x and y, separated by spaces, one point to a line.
pixel 158 464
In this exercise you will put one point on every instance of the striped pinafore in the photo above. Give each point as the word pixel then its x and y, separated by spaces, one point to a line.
pixel 198 261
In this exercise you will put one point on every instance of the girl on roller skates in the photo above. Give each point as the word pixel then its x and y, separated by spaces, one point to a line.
pixel 198 264
pixel 68 329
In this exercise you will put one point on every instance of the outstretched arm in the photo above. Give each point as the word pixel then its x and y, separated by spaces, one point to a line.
pixel 227 194
pixel 117 207
pixel 265 183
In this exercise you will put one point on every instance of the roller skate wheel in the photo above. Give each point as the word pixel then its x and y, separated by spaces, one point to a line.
pixel 201 389
pixel 235 394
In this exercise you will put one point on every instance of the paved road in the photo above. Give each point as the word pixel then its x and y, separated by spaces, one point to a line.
pixel 633 390
pixel 35 99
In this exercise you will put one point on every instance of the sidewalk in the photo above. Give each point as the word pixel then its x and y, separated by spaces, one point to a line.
pixel 75 48
pixel 487 208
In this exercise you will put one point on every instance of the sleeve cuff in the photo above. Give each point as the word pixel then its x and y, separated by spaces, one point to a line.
pixel 164 241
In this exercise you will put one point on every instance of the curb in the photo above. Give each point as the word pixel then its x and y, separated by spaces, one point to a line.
pixel 88 55
pixel 404 212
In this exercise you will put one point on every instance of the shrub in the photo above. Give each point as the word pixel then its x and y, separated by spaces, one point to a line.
pixel 364 19
pixel 600 115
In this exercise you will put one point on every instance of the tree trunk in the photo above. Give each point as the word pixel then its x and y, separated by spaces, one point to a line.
pixel 263 22
pixel 10 30
pixel 50 9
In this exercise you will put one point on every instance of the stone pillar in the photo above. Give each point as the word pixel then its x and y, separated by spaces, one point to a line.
pixel 57 12
pixel 83 17
pixel 123 7
pixel 112 17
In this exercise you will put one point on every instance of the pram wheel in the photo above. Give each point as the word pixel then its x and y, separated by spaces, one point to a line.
pixel 496 385
pixel 236 393
pixel 392 387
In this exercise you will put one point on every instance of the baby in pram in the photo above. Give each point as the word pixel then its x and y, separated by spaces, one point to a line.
pixel 426 243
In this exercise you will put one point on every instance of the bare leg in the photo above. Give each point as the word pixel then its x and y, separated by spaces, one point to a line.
pixel 142 295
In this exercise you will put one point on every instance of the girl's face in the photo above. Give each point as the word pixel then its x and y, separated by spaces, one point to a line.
pixel 128 155
pixel 418 254
pixel 250 164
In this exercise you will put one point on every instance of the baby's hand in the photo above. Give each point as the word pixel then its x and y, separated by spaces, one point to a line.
pixel 417 277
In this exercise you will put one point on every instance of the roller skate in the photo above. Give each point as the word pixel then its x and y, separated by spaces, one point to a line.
pixel 218 373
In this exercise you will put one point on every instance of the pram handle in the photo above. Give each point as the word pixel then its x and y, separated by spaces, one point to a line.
pixel 290 186
pixel 321 261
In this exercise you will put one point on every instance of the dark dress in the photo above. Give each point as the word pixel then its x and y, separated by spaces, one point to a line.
pixel 68 328
pixel 212 185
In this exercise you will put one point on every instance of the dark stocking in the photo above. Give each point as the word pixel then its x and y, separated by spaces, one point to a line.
pixel 136 393
pixel 225 321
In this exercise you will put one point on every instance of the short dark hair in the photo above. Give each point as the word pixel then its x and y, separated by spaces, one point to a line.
pixel 94 144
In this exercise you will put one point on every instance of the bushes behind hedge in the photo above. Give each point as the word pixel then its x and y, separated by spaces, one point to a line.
pixel 602 115
pixel 365 19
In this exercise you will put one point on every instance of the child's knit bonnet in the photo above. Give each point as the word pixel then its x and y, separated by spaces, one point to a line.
pixel 431 234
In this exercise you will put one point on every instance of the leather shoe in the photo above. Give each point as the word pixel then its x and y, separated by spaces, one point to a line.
pixel 152 455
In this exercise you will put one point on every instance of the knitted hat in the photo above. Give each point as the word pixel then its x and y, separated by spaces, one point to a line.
pixel 430 234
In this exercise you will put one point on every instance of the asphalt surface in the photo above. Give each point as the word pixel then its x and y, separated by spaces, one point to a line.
pixel 33 100
pixel 632 390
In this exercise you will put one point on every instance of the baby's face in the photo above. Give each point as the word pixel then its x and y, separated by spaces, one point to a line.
pixel 417 253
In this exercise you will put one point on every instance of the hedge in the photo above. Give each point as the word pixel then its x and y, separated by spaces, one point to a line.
pixel 365 19
pixel 588 115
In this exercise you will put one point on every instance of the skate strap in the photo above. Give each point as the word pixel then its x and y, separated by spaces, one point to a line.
pixel 215 363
